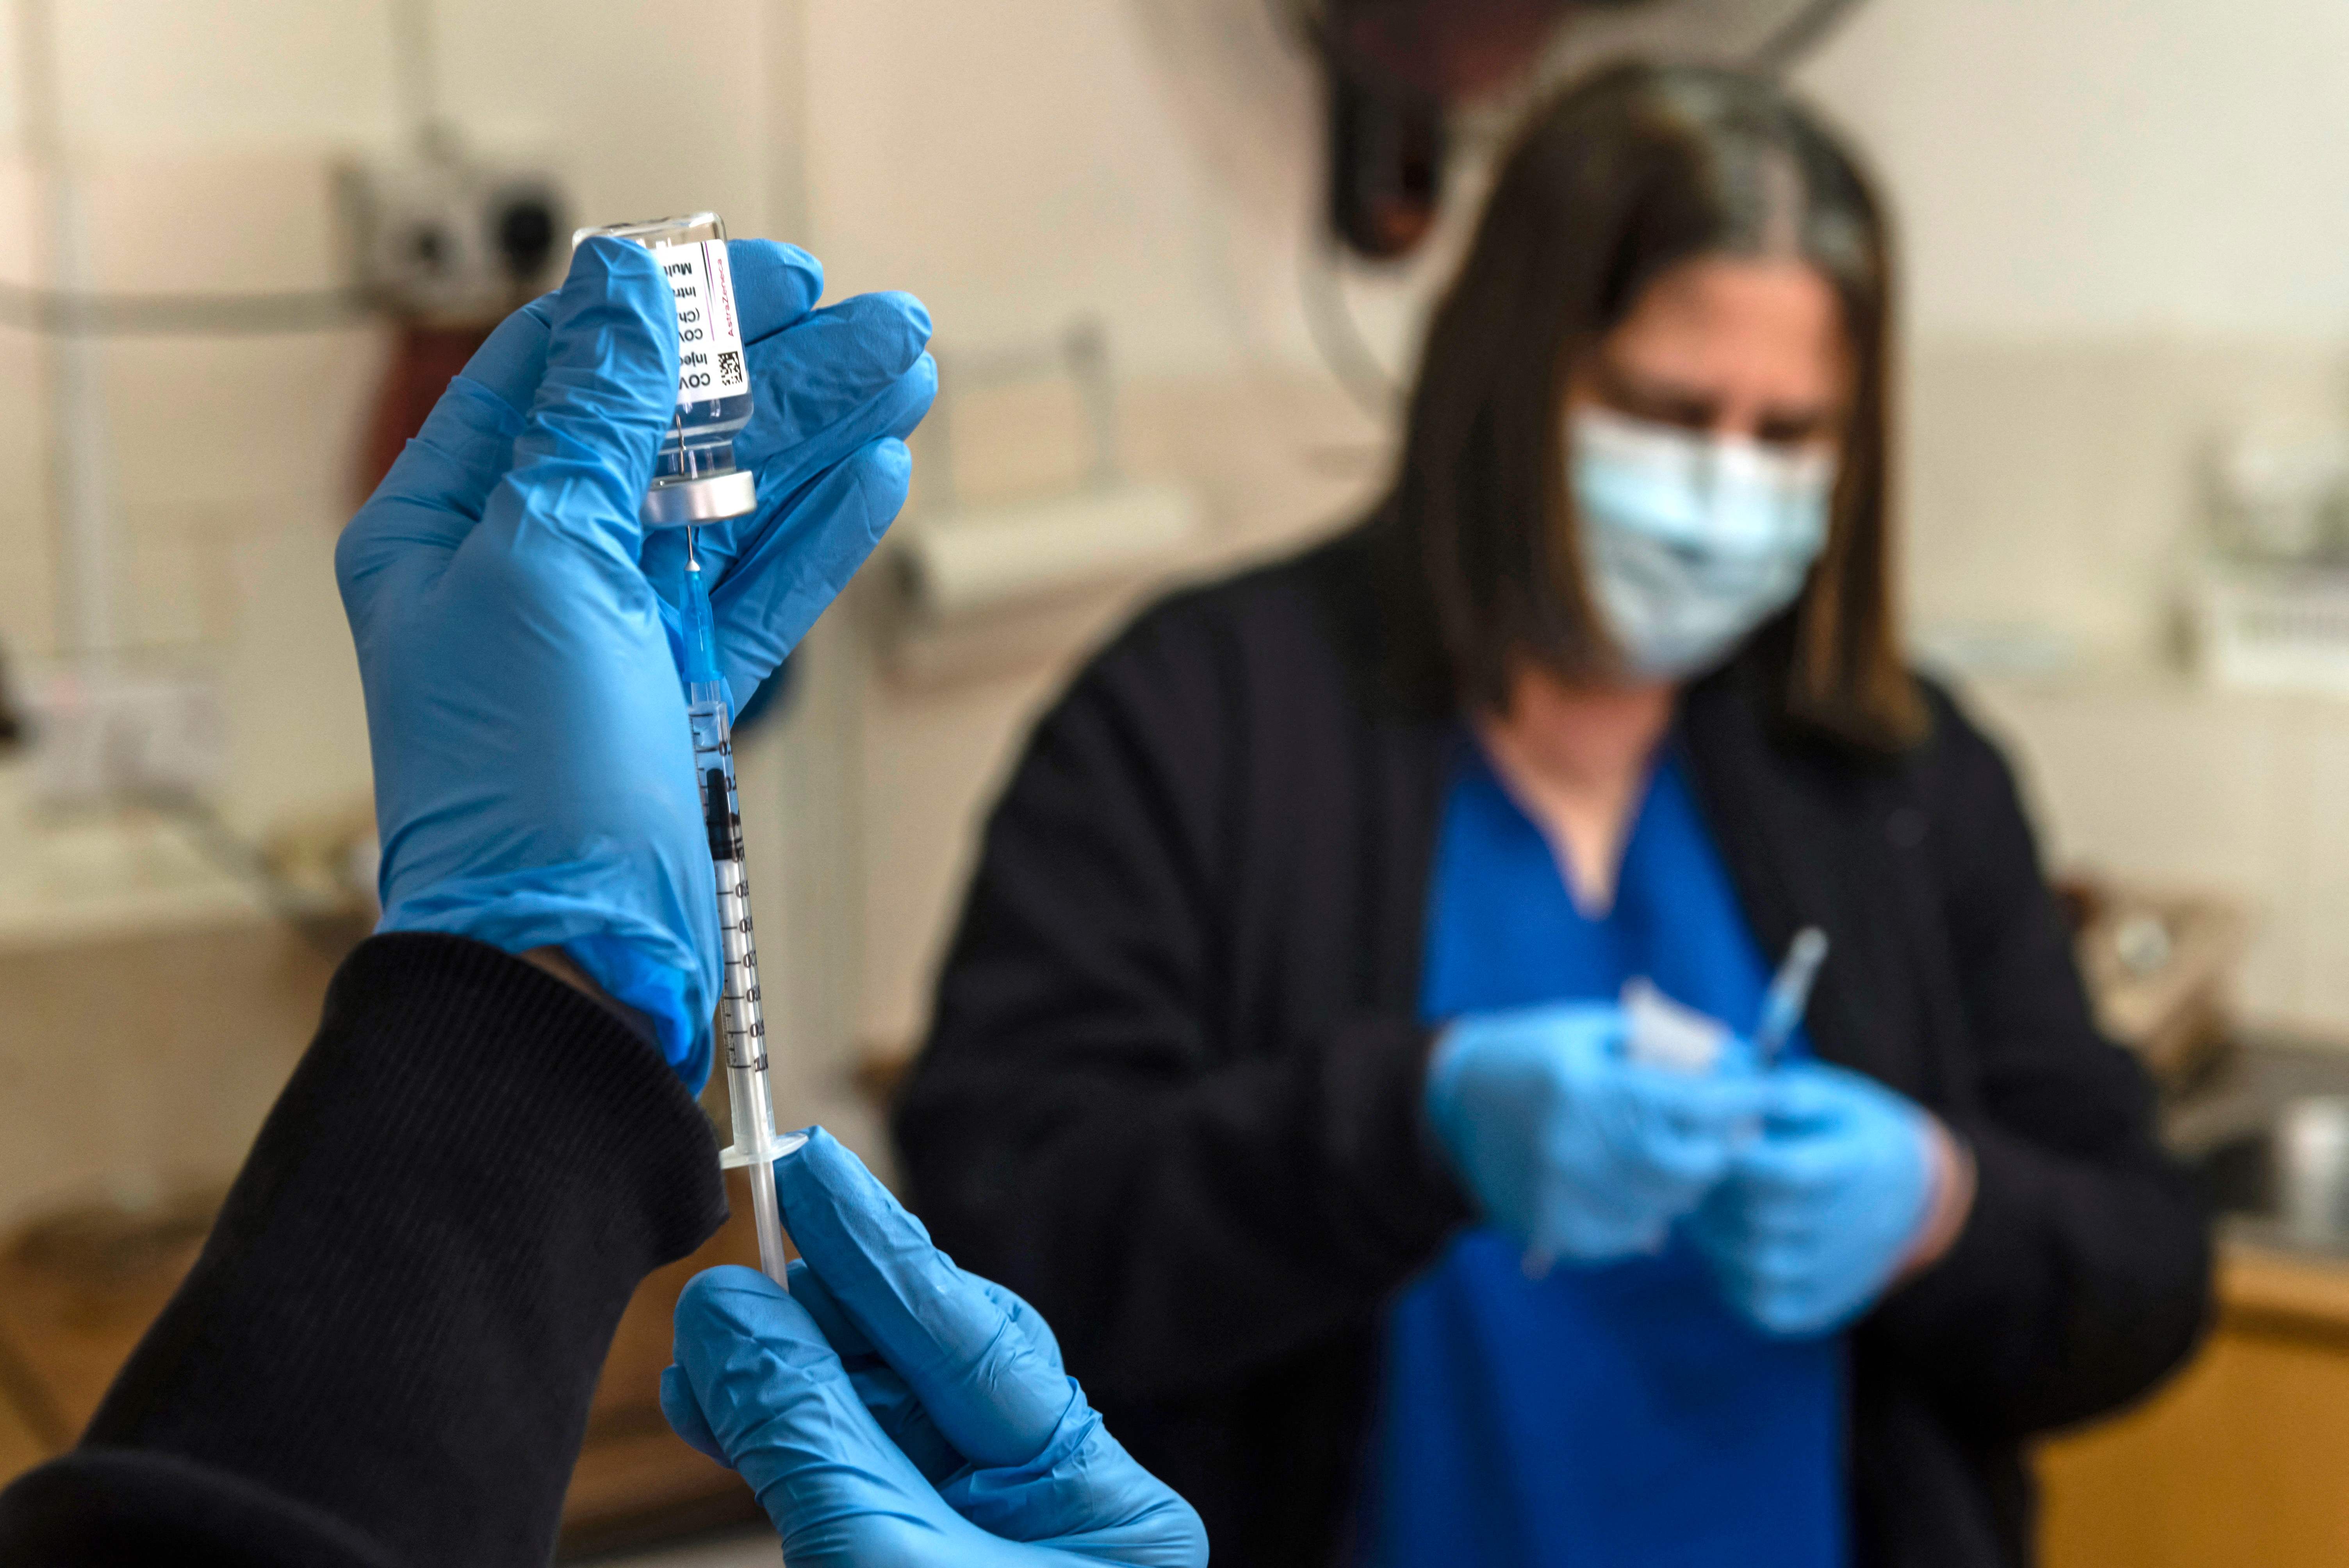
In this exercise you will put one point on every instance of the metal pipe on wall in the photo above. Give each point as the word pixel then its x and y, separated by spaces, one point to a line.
pixel 78 409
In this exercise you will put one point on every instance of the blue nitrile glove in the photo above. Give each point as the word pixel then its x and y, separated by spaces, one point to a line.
pixel 1819 1211
pixel 835 392
pixel 1570 1149
pixel 533 777
pixel 895 1410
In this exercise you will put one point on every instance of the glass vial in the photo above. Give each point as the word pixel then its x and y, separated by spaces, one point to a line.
pixel 695 479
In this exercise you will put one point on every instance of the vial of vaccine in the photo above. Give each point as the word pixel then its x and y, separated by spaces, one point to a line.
pixel 695 479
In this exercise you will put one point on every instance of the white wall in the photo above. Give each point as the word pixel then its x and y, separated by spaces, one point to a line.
pixel 2125 238
pixel 639 112
pixel 2082 168
pixel 1015 164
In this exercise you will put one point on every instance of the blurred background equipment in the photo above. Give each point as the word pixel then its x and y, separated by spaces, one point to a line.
pixel 110 735
pixel 12 722
pixel 2268 601
pixel 444 239
pixel 1396 70
pixel 442 243
pixel 442 235
pixel 2163 971
pixel 1411 90
pixel 436 241
pixel 440 230
pixel 448 246
pixel 980 589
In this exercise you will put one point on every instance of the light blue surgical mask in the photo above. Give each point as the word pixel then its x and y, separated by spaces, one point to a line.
pixel 1690 540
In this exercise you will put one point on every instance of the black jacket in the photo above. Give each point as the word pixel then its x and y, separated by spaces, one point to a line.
pixel 384 1356
pixel 1172 1095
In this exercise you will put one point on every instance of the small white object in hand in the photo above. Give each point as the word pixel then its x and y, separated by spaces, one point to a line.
pixel 1664 1034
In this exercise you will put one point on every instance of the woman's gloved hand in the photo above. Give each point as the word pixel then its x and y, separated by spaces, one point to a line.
pixel 895 1410
pixel 1572 1151
pixel 534 776
pixel 1820 1212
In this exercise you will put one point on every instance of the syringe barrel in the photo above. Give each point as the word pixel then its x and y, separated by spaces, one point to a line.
pixel 745 1028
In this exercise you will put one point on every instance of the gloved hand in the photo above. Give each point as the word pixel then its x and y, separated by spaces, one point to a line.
pixel 1570 1149
pixel 895 1410
pixel 1819 1211
pixel 533 768
pixel 835 392
pixel 534 777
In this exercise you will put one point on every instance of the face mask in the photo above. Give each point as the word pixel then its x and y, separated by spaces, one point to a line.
pixel 1692 541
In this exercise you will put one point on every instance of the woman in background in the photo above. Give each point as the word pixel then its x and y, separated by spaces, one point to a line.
pixel 1276 1058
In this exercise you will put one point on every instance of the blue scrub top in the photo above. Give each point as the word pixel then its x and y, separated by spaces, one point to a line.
pixel 1620 1415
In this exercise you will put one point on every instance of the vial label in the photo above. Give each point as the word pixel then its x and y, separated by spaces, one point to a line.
pixel 708 335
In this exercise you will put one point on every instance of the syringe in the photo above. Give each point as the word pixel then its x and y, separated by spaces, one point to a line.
pixel 755 1143
pixel 1789 994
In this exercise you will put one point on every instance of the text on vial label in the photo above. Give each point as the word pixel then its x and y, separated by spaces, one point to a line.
pixel 709 332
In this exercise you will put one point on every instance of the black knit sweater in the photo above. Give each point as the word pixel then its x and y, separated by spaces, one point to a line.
pixel 385 1354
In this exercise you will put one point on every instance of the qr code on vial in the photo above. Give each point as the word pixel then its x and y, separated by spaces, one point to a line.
pixel 729 368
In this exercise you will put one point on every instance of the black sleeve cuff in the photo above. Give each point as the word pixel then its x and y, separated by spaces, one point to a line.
pixel 2071 1289
pixel 398 1321
pixel 1411 1199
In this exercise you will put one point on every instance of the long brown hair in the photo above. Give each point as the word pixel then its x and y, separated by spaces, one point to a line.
pixel 1614 183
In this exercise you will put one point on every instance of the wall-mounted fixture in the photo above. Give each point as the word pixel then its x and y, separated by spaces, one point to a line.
pixel 973 588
